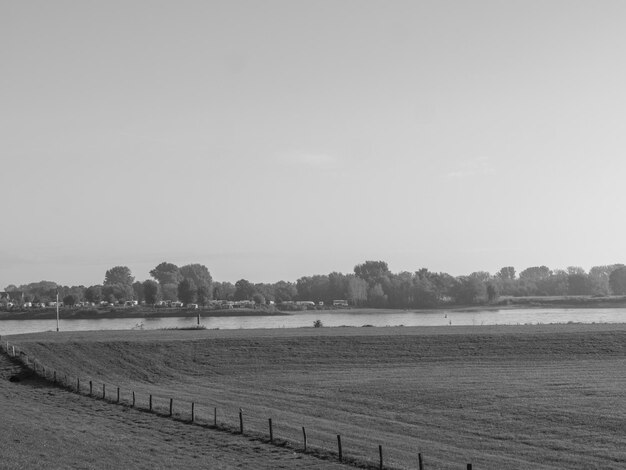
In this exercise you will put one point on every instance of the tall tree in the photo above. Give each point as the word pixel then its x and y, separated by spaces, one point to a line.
pixel 506 273
pixel 118 275
pixel 118 292
pixel 468 290
pixel 535 273
pixel 223 291
pixel 599 275
pixel 187 291
pixel 244 290
pixel 203 295
pixel 93 294
pixel 285 291
pixel 617 281
pixel 169 291
pixel 315 288
pixel 200 276
pixel 150 291
pixel 167 273
pixel 138 291
pixel 372 272
pixel 357 290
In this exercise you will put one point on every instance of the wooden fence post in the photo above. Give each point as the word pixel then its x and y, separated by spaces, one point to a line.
pixel 421 464
pixel 150 402
pixel 192 412
pixel 90 388
pixel 469 466
pixel 380 454
pixel 171 403
pixel 304 437
pixel 118 395
pixel 339 447
pixel 271 431
pixel 77 385
pixel 215 416
pixel 103 391
pixel 133 398
pixel 54 377
pixel 241 420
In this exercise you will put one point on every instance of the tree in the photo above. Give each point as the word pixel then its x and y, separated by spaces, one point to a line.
pixel 535 273
pixel 138 291
pixel 150 291
pixel 599 276
pixel 337 286
pixel 492 293
pixel 357 290
pixel 373 272
pixel 425 292
pixel 557 283
pixel 167 273
pixel 244 290
pixel 376 297
pixel 187 291
pixel 117 292
pixel 315 288
pixel 93 294
pixel 203 295
pixel 482 276
pixel 42 291
pixel 223 291
pixel 69 300
pixel 467 290
pixel 265 290
pixel 169 291
pixel 617 281
pixel 200 276
pixel 285 291
pixel 507 273
pixel 579 283
pixel 118 275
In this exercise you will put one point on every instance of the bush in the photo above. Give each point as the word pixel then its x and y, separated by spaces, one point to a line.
pixel 318 324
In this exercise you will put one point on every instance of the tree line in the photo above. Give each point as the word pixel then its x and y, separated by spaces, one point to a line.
pixel 371 284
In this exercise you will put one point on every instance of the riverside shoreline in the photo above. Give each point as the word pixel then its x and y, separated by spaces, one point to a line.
pixel 508 303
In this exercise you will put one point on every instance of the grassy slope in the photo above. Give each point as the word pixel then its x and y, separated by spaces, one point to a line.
pixel 47 427
pixel 527 397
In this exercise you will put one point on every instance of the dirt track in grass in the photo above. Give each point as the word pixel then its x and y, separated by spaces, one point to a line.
pixel 543 397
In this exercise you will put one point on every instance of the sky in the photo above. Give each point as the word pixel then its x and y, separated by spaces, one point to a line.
pixel 279 139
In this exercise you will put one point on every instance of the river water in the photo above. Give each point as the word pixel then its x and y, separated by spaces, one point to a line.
pixel 334 318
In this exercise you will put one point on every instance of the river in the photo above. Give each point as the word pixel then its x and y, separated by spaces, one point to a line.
pixel 335 318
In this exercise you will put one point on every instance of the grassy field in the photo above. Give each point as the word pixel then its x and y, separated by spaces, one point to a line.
pixel 541 397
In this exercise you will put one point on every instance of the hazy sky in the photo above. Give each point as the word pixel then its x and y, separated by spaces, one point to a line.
pixel 270 140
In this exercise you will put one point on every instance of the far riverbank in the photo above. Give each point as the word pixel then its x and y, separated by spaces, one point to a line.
pixel 504 303
pixel 112 313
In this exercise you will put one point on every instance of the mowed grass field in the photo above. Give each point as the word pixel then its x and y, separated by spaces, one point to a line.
pixel 540 397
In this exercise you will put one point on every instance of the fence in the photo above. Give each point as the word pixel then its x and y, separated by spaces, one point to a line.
pixel 216 416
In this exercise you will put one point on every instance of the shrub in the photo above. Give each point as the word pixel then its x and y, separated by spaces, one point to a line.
pixel 318 324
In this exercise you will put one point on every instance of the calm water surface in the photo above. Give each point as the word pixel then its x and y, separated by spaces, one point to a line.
pixel 406 318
